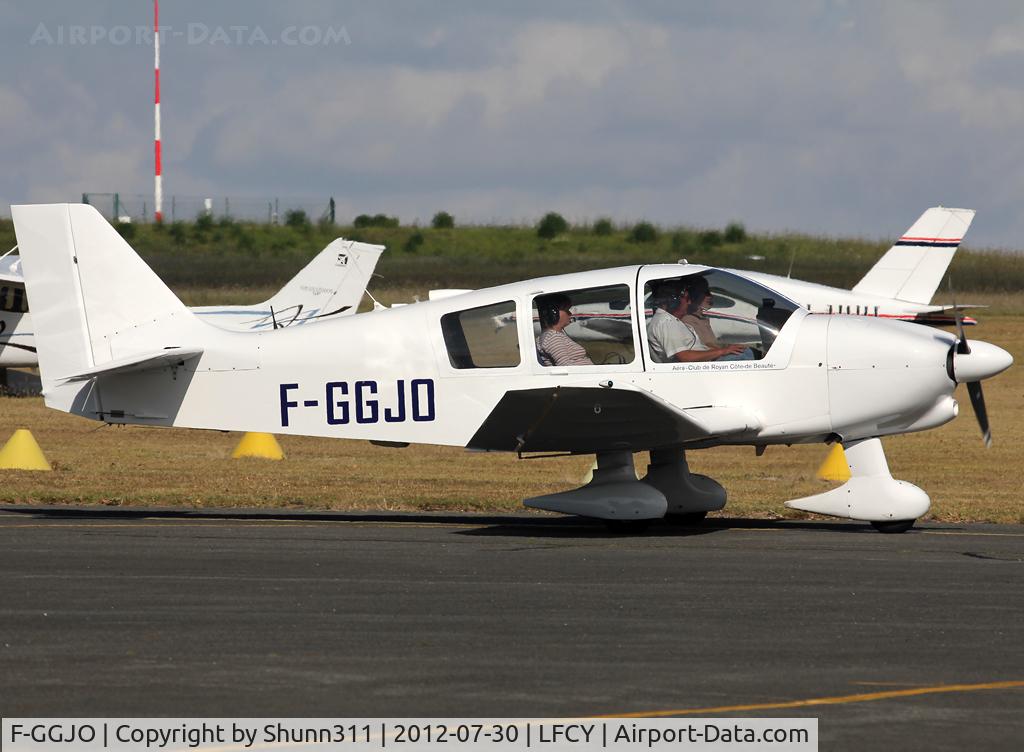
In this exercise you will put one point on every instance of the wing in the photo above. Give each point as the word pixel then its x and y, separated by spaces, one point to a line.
pixel 597 419
pixel 142 362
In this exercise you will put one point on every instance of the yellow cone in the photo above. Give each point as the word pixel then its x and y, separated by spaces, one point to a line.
pixel 835 466
pixel 258 445
pixel 22 452
pixel 589 475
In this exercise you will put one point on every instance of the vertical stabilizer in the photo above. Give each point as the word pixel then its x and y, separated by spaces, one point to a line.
pixel 93 299
pixel 913 268
pixel 332 283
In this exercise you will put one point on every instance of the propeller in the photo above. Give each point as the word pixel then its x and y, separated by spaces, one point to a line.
pixel 973 387
pixel 978 403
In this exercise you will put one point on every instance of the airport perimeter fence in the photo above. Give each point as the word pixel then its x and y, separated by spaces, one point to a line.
pixel 127 207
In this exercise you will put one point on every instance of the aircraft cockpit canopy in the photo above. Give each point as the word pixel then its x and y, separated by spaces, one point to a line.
pixel 601 325
pixel 721 308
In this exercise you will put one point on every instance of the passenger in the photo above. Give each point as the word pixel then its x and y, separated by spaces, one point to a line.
pixel 554 346
pixel 671 339
pixel 698 320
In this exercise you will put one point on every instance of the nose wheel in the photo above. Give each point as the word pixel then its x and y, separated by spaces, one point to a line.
pixel 871 494
pixel 687 519
pixel 899 526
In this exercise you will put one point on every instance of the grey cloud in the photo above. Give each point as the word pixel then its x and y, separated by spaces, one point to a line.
pixel 818 116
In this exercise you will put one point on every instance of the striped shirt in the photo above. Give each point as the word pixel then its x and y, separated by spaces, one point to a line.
pixel 556 348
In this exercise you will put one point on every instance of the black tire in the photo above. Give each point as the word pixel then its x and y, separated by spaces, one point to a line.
pixel 896 526
pixel 686 518
pixel 627 527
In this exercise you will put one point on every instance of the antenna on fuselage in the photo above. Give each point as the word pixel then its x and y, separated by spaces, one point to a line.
pixel 273 318
pixel 377 305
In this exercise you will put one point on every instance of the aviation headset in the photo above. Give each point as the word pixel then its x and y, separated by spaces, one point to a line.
pixel 548 308
pixel 669 294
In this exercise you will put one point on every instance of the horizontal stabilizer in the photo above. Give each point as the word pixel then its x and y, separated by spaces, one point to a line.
pixel 445 293
pixel 598 419
pixel 961 307
pixel 10 268
pixel 147 361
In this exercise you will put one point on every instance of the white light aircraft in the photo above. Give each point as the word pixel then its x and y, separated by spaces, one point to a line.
pixel 332 284
pixel 116 345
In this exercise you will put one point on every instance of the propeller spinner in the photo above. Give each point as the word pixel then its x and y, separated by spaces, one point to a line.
pixel 970 366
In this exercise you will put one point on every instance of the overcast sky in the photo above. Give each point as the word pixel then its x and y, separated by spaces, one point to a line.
pixel 823 116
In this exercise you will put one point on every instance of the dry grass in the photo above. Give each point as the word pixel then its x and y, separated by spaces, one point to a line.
pixel 176 467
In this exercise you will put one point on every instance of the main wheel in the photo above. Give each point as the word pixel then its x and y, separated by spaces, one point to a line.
pixel 627 527
pixel 686 518
pixel 896 526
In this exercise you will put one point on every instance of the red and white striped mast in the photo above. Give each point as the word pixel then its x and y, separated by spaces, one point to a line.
pixel 158 189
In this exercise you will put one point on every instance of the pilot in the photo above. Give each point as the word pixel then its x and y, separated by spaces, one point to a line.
pixel 671 338
pixel 554 346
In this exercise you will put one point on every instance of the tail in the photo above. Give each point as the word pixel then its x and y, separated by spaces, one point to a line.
pixel 913 268
pixel 332 284
pixel 97 308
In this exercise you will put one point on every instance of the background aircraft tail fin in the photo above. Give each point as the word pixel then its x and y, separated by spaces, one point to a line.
pixel 94 300
pixel 332 283
pixel 913 268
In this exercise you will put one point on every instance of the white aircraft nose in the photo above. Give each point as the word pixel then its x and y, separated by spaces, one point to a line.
pixel 983 362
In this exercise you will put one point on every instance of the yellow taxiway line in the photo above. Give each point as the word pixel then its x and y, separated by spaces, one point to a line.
pixel 816 701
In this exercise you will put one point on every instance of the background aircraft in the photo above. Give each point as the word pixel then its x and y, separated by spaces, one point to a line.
pixel 332 284
pixel 17 346
pixel 116 345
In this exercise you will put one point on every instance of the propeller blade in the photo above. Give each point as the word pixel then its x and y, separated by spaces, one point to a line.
pixel 973 387
pixel 961 346
pixel 978 403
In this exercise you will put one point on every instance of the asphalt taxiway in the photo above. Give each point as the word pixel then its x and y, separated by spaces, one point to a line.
pixel 913 640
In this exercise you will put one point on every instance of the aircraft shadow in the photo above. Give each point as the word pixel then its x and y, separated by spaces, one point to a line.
pixel 295 515
pixel 575 527
pixel 510 525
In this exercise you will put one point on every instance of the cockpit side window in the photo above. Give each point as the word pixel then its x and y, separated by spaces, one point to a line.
pixel 712 315
pixel 483 337
pixel 592 326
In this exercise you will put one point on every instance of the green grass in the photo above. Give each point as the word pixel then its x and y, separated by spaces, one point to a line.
pixel 224 254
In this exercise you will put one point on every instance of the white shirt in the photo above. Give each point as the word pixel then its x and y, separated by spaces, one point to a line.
pixel 668 335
